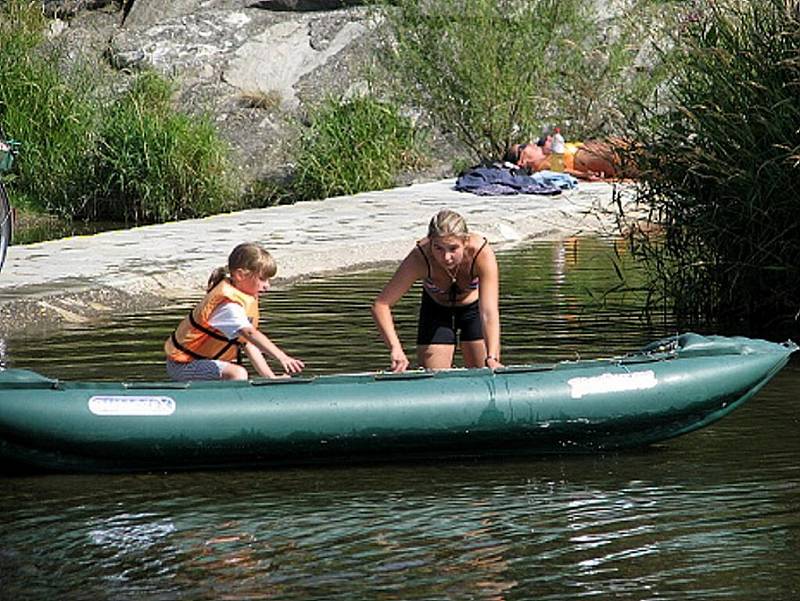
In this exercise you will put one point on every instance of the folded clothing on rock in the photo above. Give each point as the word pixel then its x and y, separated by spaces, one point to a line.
pixel 498 180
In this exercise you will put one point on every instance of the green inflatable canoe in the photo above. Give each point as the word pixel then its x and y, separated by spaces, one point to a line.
pixel 669 388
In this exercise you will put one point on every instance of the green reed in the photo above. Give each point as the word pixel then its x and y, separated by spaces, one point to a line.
pixel 720 167
pixel 49 108
pixel 153 164
pixel 90 153
pixel 353 145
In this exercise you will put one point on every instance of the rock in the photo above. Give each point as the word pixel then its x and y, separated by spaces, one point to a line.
pixel 66 9
pixel 130 59
pixel 142 14
pixel 222 54
pixel 304 5
pixel 279 57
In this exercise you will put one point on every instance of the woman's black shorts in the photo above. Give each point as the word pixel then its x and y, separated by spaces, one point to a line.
pixel 440 324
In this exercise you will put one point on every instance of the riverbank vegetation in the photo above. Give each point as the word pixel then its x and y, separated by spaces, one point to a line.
pixel 719 158
pixel 154 164
pixel 49 107
pixel 88 154
pixel 354 145
pixel 347 146
pixel 707 91
pixel 494 73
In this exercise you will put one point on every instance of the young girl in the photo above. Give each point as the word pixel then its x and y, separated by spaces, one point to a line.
pixel 208 340
pixel 460 289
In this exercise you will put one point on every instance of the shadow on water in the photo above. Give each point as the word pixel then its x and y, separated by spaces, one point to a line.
pixel 711 515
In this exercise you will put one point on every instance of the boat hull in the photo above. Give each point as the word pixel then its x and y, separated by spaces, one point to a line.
pixel 671 388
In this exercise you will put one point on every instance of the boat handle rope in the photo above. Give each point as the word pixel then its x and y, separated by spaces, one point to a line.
pixel 277 381
pixel 155 385
pixel 404 375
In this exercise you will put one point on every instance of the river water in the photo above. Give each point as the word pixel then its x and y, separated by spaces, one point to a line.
pixel 711 515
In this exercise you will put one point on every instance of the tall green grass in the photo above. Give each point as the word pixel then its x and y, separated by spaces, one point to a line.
pixel 720 168
pixel 353 145
pixel 91 153
pixel 49 108
pixel 153 164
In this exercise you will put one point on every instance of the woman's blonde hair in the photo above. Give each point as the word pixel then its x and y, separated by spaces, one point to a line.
pixel 249 257
pixel 447 223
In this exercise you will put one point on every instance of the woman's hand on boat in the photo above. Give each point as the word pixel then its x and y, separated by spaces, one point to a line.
pixel 399 361
pixel 492 362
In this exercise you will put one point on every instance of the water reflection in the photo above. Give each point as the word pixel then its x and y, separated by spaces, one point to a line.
pixel 128 532
pixel 673 523
pixel 565 258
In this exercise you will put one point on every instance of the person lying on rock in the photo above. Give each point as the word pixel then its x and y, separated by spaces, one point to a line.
pixel 591 160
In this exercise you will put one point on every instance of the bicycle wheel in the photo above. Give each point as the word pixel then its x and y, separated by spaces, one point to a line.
pixel 5 205
pixel 5 224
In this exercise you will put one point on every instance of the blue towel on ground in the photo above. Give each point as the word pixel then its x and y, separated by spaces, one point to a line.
pixel 563 181
pixel 501 180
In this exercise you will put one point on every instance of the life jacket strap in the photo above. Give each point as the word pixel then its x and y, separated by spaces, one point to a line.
pixel 208 332
pixel 212 334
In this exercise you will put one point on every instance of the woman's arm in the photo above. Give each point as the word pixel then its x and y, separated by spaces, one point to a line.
pixel 256 337
pixel 488 301
pixel 409 271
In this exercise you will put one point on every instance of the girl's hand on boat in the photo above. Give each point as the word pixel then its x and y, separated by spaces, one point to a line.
pixel 399 361
pixel 291 365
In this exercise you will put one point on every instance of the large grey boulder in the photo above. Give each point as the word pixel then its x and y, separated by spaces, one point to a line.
pixel 305 5
pixel 142 14
pixel 224 53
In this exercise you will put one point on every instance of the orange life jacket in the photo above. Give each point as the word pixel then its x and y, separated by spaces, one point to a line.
pixel 195 338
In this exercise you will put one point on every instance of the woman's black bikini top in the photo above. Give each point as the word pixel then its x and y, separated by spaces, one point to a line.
pixel 454 290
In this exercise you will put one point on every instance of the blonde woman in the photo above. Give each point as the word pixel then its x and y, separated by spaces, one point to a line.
pixel 460 290
pixel 206 344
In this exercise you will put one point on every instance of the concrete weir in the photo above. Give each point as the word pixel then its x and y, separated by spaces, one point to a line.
pixel 78 279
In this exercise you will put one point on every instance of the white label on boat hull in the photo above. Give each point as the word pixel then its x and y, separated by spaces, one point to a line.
pixel 640 380
pixel 132 405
